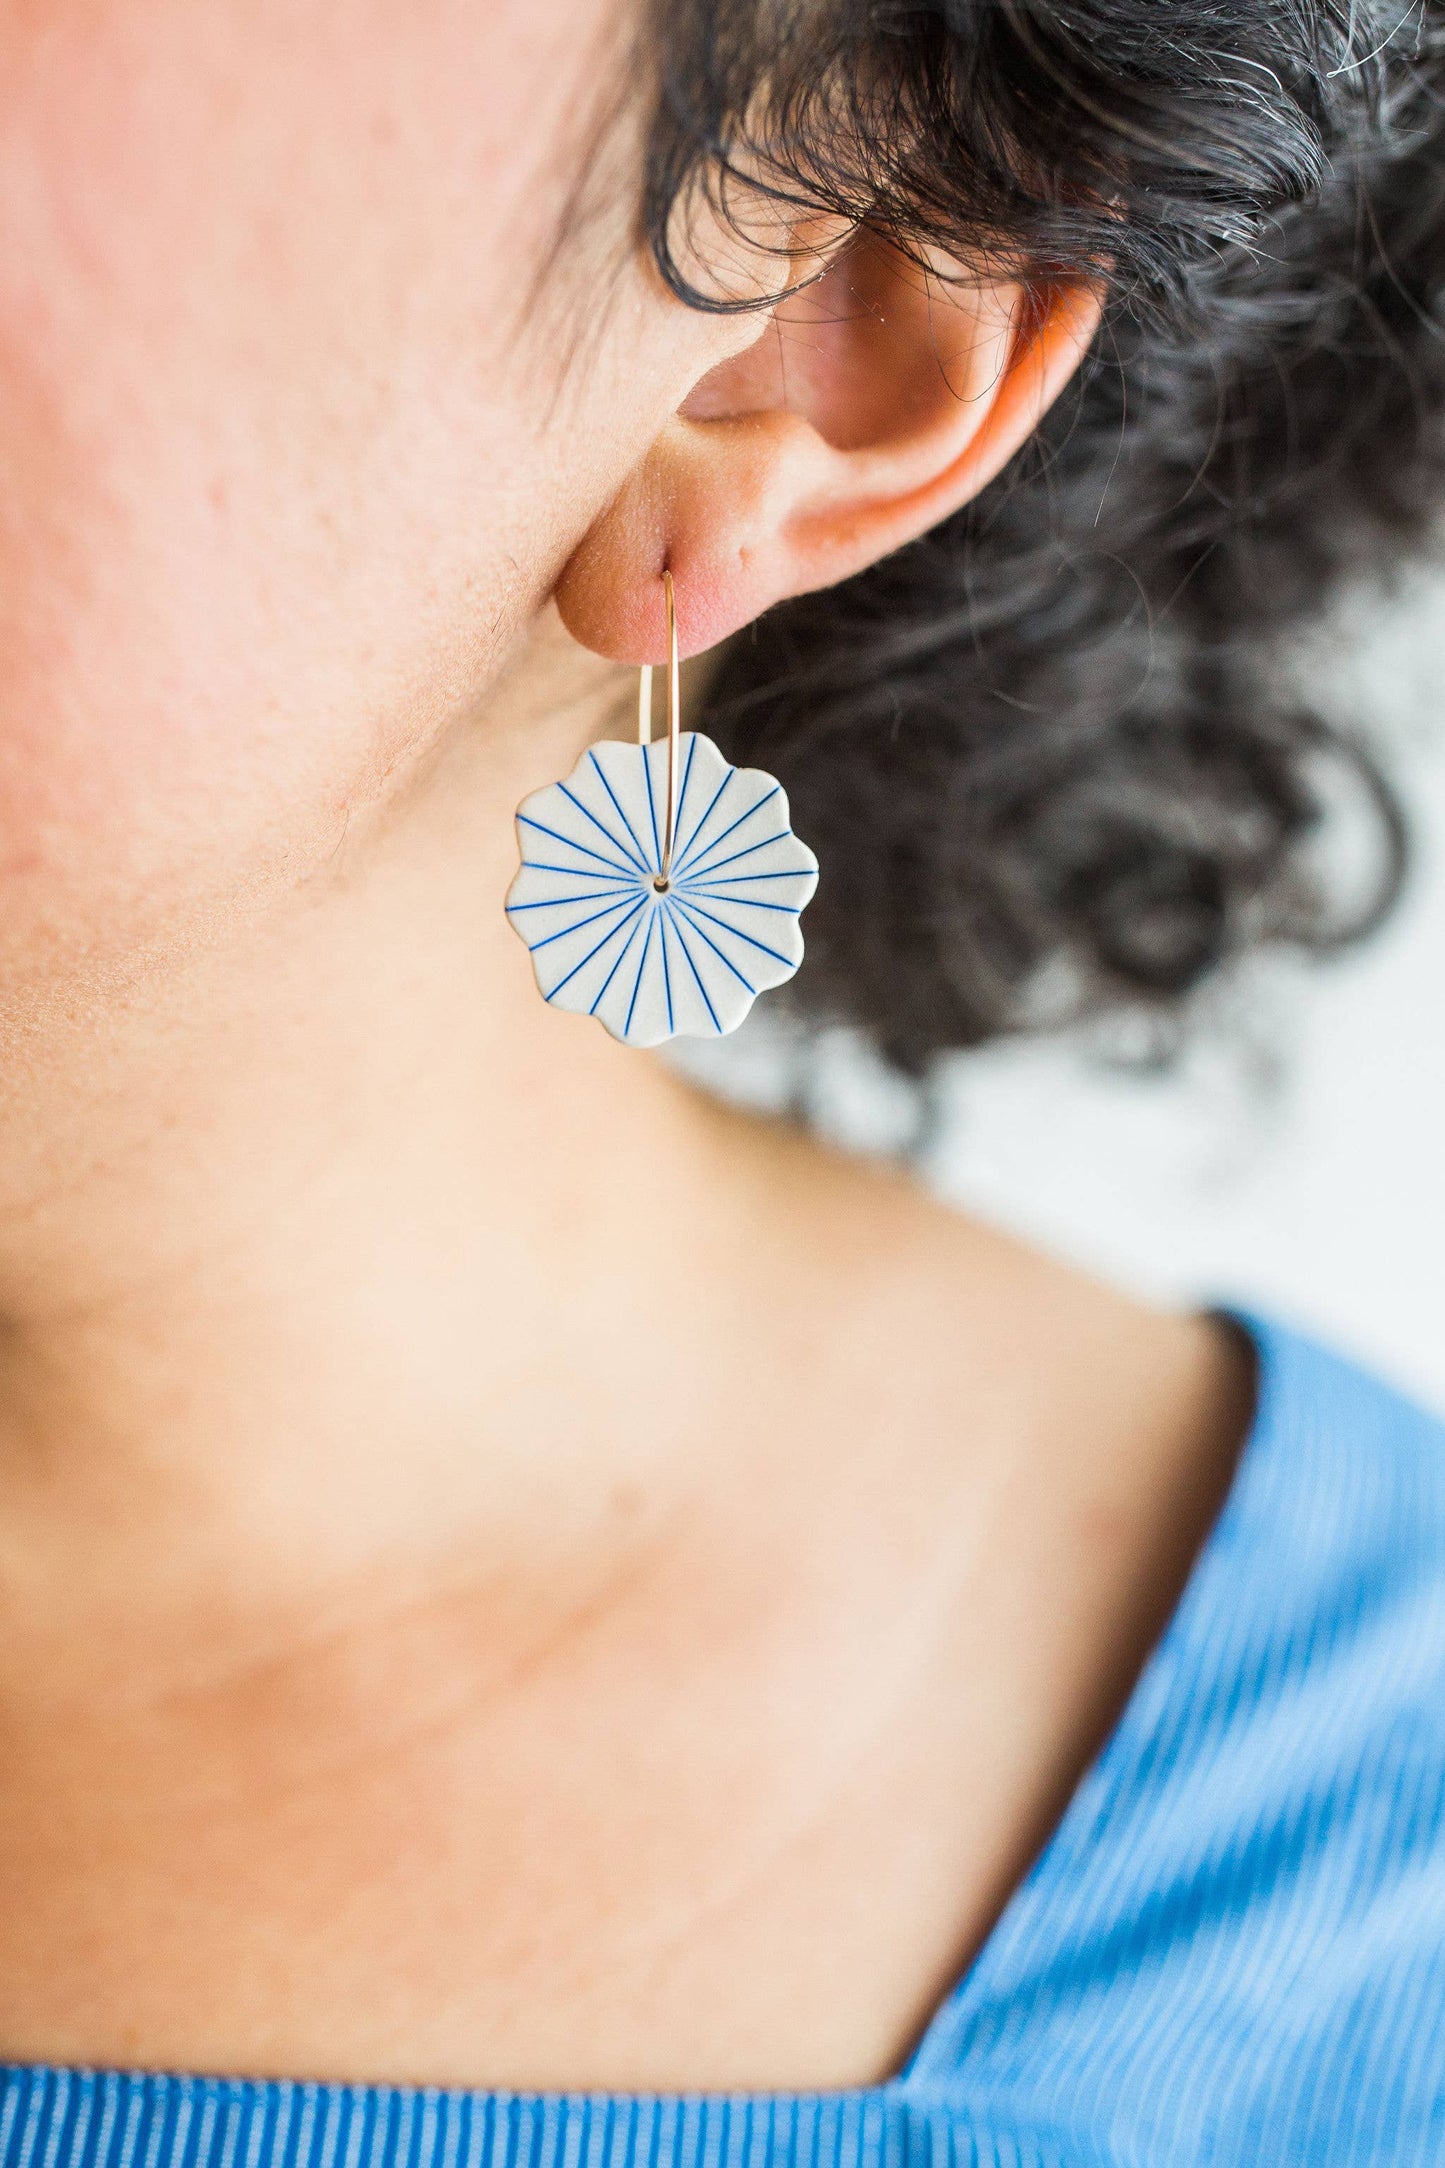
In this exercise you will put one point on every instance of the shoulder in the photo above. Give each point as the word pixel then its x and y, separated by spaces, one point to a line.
pixel 1326 1571
pixel 1365 1454
pixel 1233 1949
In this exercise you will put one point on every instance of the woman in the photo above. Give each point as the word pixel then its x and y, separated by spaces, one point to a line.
pixel 527 1595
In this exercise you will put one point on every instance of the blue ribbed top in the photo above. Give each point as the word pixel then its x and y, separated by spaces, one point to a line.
pixel 1231 1951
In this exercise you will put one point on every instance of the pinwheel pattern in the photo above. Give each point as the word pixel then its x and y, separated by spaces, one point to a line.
pixel 654 960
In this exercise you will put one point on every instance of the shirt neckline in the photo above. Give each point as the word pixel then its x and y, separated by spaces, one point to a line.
pixel 1154 1683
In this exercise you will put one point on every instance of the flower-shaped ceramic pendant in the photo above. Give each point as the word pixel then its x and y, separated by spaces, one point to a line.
pixel 655 944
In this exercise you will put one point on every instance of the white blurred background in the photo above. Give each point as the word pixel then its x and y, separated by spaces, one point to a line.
pixel 1296 1159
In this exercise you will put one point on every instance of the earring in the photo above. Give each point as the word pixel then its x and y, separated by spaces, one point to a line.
pixel 660 888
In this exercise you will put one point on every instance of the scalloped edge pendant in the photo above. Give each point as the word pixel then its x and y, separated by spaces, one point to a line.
pixel 657 958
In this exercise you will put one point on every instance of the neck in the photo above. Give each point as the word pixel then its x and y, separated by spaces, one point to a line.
pixel 335 1238
pixel 335 1267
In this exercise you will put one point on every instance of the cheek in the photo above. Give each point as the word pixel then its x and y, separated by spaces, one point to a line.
pixel 282 474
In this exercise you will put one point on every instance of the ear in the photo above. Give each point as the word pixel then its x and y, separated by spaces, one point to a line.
pixel 871 405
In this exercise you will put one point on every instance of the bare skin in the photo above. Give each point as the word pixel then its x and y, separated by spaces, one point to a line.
pixel 509 1573
pixel 574 1588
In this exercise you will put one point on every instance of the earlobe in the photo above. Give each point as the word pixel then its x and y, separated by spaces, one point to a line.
pixel 875 405
pixel 711 502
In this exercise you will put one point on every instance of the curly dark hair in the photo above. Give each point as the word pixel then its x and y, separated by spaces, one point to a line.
pixel 1048 755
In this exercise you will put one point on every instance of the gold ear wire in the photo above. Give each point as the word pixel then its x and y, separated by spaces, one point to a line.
pixel 674 721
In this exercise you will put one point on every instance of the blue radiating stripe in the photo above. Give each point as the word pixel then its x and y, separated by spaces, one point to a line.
pixel 744 903
pixel 601 826
pixel 666 974
pixel 708 872
pixel 641 967
pixel 707 814
pixel 612 973
pixel 625 878
pixel 610 935
pixel 565 903
pixel 618 865
pixel 641 847
pixel 737 932
pixel 692 967
pixel 703 935
pixel 576 927
pixel 783 873
pixel 682 792
pixel 756 807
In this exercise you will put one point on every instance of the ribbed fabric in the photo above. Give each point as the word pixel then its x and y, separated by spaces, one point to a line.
pixel 1232 1950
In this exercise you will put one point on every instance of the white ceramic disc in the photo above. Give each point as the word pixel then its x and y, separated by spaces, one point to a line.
pixel 651 964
